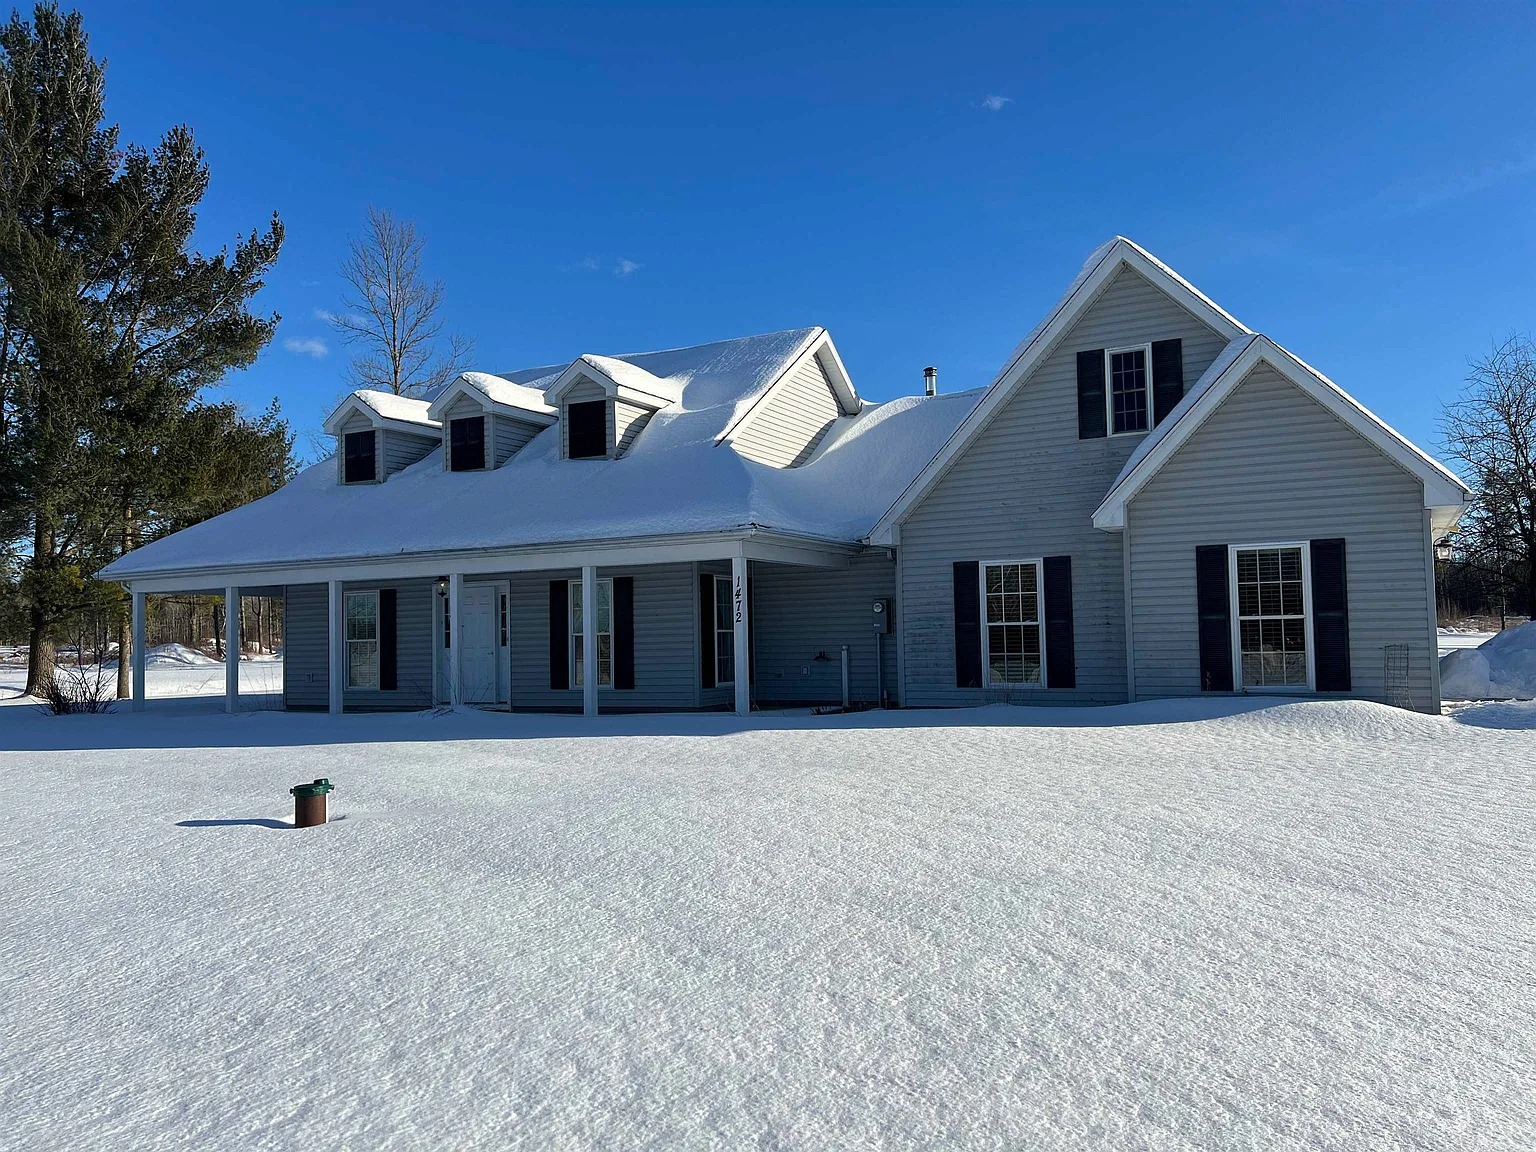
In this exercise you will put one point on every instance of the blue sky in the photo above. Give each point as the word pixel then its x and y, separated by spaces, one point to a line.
pixel 1354 180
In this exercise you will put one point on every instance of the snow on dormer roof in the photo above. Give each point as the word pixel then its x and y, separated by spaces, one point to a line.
pixel 408 414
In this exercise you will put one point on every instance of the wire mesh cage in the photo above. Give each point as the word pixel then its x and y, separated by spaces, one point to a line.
pixel 1394 675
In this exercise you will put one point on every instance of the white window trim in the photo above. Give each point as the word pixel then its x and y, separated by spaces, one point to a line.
pixel 1109 390
pixel 610 420
pixel 346 615
pixel 378 455
pixel 1236 620
pixel 485 436
pixel 730 626
pixel 986 655
pixel 573 602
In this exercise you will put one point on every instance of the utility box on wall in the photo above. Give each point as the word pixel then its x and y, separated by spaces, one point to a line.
pixel 882 616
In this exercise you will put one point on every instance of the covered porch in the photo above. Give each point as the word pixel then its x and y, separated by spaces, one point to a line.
pixel 717 623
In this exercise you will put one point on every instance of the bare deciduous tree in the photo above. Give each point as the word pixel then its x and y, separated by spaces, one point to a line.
pixel 392 314
pixel 1492 430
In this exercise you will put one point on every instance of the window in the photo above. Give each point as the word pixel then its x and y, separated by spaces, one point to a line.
pixel 725 633
pixel 1011 598
pixel 1127 369
pixel 466 444
pixel 358 452
pixel 362 639
pixel 1271 602
pixel 586 429
pixel 604 631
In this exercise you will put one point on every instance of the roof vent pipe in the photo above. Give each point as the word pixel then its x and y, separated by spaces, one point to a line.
pixel 930 381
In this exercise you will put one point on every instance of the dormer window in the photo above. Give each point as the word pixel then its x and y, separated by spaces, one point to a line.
pixel 587 429
pixel 466 444
pixel 360 457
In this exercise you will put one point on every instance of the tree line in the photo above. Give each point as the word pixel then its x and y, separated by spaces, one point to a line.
pixel 112 329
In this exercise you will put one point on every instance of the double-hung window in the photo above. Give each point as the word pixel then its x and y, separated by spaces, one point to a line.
pixel 362 639
pixel 1012 602
pixel 1270 597
pixel 604 630
pixel 466 444
pixel 725 633
pixel 359 457
pixel 1128 371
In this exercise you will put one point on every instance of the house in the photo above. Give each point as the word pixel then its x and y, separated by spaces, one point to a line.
pixel 1149 500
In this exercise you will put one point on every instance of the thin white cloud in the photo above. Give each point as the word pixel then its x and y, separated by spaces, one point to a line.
pixel 1489 175
pixel 307 347
pixel 625 267
pixel 325 317
pixel 995 103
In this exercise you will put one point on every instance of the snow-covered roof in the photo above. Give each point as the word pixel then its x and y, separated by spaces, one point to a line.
pixel 674 480
pixel 500 393
pixel 1443 489
pixel 384 406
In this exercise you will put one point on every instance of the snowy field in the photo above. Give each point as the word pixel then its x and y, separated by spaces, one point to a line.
pixel 1208 925
pixel 180 671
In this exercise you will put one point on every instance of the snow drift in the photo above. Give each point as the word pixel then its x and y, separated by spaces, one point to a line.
pixel 1503 668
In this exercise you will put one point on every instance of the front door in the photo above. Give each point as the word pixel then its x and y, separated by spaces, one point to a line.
pixel 477 633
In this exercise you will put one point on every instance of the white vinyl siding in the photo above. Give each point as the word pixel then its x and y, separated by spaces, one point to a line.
pixel 666 653
pixel 1027 486
pixel 802 617
pixel 509 437
pixel 791 422
pixel 629 420
pixel 1271 464
pixel 306 652
pixel 401 449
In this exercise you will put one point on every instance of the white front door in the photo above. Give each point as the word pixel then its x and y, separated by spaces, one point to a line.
pixel 477 634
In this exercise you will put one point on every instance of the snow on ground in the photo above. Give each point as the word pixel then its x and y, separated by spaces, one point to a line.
pixel 1503 667
pixel 1209 924
pixel 1453 640
pixel 184 673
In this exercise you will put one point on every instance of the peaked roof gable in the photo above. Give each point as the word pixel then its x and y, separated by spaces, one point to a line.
pixel 384 410
pixel 1101 268
pixel 1443 490
pixel 818 344
pixel 500 395
pixel 617 378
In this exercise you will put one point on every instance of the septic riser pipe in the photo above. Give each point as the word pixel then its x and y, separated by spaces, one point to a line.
pixel 309 803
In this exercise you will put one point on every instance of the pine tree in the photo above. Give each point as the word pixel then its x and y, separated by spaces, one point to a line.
pixel 113 324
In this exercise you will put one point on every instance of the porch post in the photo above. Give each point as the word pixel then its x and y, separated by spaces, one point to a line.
pixel 338 639
pixel 589 640
pixel 137 655
pixel 232 641
pixel 455 630
pixel 743 657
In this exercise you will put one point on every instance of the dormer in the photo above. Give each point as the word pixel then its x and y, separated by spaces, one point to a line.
pixel 486 419
pixel 785 425
pixel 604 405
pixel 378 434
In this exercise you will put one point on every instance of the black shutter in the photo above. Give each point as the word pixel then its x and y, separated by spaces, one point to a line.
pixel 359 457
pixel 1060 658
pixel 1092 422
pixel 559 634
pixel 967 624
pixel 706 630
pixel 466 444
pixel 1330 616
pixel 1167 377
pixel 586 429
pixel 1215 610
pixel 387 644
pixel 623 632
